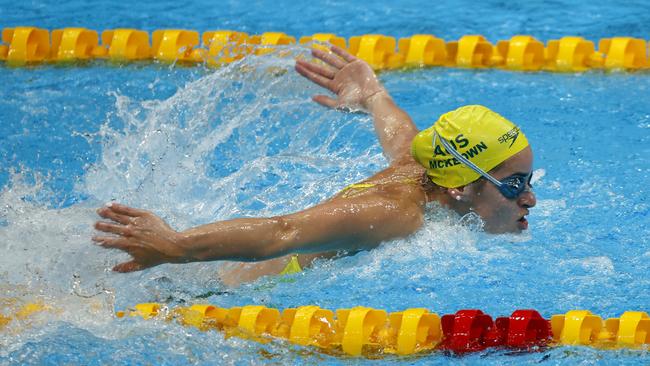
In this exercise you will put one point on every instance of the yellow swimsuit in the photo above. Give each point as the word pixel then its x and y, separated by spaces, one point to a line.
pixel 292 267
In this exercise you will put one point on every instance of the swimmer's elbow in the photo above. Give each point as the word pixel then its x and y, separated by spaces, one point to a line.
pixel 282 239
pixel 312 235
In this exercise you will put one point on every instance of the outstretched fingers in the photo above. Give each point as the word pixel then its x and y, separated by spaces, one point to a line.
pixel 107 227
pixel 314 77
pixel 112 242
pixel 107 213
pixel 126 210
pixel 344 54
pixel 124 245
pixel 329 58
pixel 129 266
pixel 322 70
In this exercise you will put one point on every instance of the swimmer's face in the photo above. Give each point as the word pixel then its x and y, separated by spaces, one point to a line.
pixel 500 214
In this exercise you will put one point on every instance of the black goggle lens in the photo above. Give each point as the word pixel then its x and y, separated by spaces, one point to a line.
pixel 514 185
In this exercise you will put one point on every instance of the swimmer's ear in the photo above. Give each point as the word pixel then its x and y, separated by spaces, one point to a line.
pixel 458 193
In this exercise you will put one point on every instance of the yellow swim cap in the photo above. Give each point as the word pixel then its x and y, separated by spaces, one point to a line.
pixel 477 133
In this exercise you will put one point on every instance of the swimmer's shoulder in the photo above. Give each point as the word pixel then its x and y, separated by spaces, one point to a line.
pixel 401 180
pixel 403 191
pixel 405 183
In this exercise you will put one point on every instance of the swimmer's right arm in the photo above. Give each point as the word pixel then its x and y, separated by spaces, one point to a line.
pixel 346 225
pixel 357 87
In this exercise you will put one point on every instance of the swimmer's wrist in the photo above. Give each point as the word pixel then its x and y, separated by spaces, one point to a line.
pixel 378 98
pixel 200 247
pixel 190 249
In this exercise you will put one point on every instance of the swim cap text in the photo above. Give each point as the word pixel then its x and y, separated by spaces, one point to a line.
pixel 468 154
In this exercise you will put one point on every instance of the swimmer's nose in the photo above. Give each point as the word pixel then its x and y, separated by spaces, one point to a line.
pixel 527 199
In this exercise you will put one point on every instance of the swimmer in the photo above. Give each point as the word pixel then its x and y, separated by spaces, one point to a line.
pixel 470 160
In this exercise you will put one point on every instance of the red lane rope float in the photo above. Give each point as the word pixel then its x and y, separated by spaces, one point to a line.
pixel 28 45
pixel 362 330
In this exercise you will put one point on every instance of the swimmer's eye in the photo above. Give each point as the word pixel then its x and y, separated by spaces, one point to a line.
pixel 515 185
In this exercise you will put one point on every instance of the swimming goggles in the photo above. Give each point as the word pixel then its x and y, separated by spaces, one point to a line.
pixel 510 187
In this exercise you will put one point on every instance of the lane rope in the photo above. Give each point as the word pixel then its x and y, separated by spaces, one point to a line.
pixel 31 45
pixel 363 330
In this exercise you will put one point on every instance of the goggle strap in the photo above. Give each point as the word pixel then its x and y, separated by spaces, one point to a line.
pixel 468 163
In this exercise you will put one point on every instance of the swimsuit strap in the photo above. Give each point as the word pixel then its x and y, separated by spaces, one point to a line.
pixel 412 181
pixel 358 186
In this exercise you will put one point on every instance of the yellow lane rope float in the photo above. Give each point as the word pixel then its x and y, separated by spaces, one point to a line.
pixel 32 45
pixel 362 330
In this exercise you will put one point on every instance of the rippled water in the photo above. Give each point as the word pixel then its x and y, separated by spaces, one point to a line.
pixel 197 145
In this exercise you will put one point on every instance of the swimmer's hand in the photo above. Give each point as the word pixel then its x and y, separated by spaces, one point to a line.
pixel 145 236
pixel 357 88
pixel 351 79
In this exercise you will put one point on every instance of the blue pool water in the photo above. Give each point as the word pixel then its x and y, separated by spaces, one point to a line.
pixel 197 145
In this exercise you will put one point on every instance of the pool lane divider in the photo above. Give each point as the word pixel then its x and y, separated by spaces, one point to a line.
pixel 365 331
pixel 32 45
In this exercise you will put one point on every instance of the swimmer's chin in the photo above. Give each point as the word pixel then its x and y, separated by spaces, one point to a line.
pixel 499 231
pixel 519 228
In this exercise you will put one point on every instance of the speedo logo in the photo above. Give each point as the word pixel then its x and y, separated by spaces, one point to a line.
pixel 510 135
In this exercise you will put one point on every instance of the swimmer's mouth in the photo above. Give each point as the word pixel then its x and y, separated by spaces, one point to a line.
pixel 522 223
